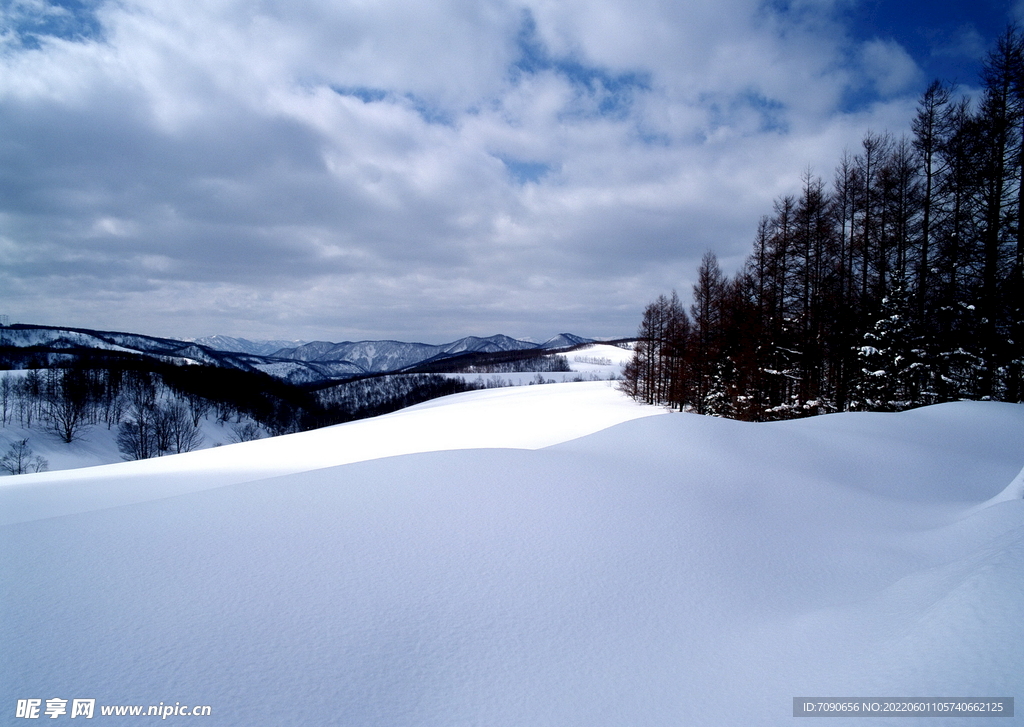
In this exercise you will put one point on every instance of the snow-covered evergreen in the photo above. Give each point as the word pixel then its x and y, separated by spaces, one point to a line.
pixel 890 359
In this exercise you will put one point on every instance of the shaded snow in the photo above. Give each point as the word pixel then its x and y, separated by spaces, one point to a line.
pixel 660 570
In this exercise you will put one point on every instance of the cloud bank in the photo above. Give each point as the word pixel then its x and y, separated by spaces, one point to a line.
pixel 413 170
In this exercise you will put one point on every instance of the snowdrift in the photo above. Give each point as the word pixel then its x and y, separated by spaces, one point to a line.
pixel 556 558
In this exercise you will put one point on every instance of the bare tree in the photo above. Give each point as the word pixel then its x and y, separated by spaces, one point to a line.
pixel 67 402
pixel 19 460
pixel 136 438
pixel 198 407
pixel 247 432
pixel 177 430
pixel 6 399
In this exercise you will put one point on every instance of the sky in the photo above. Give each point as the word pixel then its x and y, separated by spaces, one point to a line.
pixel 347 170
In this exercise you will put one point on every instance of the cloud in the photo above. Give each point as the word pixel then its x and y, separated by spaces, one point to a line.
pixel 963 42
pixel 1017 10
pixel 889 67
pixel 426 170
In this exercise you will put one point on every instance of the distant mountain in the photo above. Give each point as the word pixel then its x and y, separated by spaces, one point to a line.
pixel 313 362
pixel 243 345
pixel 382 356
pixel 53 343
pixel 51 339
pixel 565 340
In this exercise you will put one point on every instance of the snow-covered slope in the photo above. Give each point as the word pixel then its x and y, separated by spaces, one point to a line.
pixel 97 444
pixel 667 570
pixel 519 418
pixel 601 359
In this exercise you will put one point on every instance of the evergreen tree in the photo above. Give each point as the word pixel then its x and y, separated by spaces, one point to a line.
pixel 902 284
pixel 890 362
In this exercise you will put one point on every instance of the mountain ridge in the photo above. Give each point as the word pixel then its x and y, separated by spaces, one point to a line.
pixel 309 362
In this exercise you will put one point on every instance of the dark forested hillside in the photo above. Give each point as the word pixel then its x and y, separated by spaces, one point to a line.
pixel 898 284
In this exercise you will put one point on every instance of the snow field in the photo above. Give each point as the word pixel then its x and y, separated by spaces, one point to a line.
pixel 519 418
pixel 596 362
pixel 649 570
pixel 97 446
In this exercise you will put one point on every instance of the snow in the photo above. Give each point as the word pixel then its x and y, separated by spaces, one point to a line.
pixel 97 443
pixel 40 337
pixel 381 356
pixel 600 358
pixel 596 362
pixel 529 418
pixel 1013 491
pixel 550 555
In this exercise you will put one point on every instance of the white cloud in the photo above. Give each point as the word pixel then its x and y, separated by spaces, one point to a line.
pixel 313 169
pixel 889 67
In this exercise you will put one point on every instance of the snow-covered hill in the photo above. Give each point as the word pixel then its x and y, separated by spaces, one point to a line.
pixel 70 339
pixel 539 555
pixel 95 444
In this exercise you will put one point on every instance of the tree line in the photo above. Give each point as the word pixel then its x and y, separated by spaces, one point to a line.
pixel 156 410
pixel 543 364
pixel 898 284
pixel 157 407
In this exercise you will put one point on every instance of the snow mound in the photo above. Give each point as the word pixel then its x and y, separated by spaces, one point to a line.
pixel 665 570
pixel 1013 491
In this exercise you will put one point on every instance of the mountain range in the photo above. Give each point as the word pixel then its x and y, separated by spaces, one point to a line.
pixel 295 361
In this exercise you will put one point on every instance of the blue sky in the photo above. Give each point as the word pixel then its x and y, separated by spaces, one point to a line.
pixel 945 37
pixel 342 170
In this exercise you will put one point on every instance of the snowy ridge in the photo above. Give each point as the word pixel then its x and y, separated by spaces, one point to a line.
pixel 95 444
pixel 565 340
pixel 68 340
pixel 243 345
pixel 305 363
pixel 383 356
pixel 659 570
pixel 75 338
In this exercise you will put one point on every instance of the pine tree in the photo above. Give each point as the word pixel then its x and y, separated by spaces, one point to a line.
pixel 717 401
pixel 890 364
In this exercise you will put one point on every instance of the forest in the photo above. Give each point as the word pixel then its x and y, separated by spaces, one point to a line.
pixel 156 401
pixel 898 284
pixel 156 407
